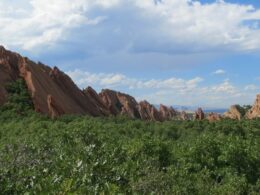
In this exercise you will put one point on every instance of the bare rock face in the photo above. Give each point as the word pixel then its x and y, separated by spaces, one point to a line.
pixel 199 114
pixel 167 113
pixel 54 109
pixel 254 112
pixel 149 112
pixel 213 117
pixel 9 71
pixel 233 113
pixel 46 85
pixel 119 103
pixel 93 96
pixel 183 116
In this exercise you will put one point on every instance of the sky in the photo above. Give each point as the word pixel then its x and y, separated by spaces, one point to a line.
pixel 176 52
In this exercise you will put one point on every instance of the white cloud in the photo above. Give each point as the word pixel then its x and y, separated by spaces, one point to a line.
pixel 38 23
pixel 84 79
pixel 179 24
pixel 206 25
pixel 219 71
pixel 169 91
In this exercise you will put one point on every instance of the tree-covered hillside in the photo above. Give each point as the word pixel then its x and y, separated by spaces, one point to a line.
pixel 85 155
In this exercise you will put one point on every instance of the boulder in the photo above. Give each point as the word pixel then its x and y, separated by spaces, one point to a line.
pixel 233 113
pixel 254 112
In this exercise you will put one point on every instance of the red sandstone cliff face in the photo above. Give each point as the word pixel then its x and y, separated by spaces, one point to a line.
pixel 167 113
pixel 44 82
pixel 149 112
pixel 8 71
pixel 119 103
pixel 93 96
pixel 199 114
pixel 254 112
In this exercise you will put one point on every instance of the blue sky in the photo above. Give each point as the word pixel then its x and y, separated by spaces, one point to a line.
pixel 177 52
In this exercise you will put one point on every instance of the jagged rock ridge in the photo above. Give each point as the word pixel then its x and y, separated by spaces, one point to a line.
pixel 54 93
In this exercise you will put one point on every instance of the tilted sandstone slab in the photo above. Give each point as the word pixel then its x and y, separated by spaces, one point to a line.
pixel 44 82
pixel 167 113
pixel 149 112
pixel 254 112
pixel 233 113
pixel 9 71
pixel 96 100
pixel 119 103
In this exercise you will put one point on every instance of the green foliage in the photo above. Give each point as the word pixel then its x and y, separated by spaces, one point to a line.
pixel 85 155
pixel 243 109
pixel 19 99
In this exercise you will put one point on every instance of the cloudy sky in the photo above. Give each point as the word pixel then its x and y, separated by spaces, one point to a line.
pixel 176 52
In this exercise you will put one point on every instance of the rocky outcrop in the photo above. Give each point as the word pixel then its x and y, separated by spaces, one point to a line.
pixel 213 117
pixel 199 114
pixel 9 71
pixel 183 116
pixel 44 82
pixel 254 112
pixel 93 96
pixel 149 112
pixel 167 113
pixel 119 103
pixel 233 113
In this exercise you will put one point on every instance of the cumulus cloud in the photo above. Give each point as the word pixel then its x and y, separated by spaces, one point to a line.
pixel 103 80
pixel 170 91
pixel 152 26
pixel 38 23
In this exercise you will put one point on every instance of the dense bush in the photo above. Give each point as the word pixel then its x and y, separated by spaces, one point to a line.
pixel 85 155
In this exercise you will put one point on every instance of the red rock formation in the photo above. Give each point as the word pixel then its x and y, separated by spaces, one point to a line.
pixel 254 112
pixel 167 113
pixel 8 71
pixel 213 117
pixel 183 116
pixel 96 100
pixel 119 103
pixel 54 109
pixel 199 114
pixel 233 113
pixel 149 112
pixel 43 81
